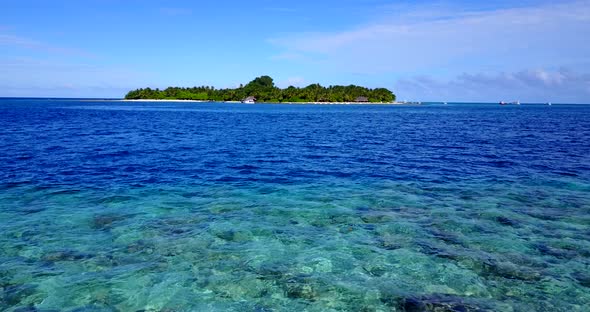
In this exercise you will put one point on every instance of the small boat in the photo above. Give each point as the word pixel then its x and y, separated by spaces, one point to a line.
pixel 549 103
pixel 506 103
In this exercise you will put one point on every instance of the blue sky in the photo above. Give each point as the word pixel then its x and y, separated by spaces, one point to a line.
pixel 532 51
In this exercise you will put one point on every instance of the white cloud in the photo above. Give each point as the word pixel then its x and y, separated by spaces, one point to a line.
pixel 292 56
pixel 22 42
pixel 54 70
pixel 534 85
pixel 36 77
pixel 421 40
pixel 439 52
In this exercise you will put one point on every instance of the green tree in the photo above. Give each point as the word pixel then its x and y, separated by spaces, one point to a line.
pixel 264 89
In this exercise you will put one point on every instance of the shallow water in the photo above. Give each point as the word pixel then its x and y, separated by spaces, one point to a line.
pixel 195 207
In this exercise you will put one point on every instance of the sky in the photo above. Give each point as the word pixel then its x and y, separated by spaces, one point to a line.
pixel 453 50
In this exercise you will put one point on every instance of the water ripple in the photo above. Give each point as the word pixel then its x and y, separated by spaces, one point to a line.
pixel 184 207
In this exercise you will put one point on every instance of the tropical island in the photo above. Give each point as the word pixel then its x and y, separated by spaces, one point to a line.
pixel 263 89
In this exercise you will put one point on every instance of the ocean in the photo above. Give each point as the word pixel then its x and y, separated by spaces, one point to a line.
pixel 124 206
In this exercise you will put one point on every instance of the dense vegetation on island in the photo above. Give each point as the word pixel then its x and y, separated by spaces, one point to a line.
pixel 264 90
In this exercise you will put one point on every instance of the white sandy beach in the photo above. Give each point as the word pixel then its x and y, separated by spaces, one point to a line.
pixel 238 102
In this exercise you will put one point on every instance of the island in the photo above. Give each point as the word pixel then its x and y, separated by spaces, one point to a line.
pixel 263 89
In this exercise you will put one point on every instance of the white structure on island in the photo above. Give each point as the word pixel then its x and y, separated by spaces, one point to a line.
pixel 362 99
pixel 249 100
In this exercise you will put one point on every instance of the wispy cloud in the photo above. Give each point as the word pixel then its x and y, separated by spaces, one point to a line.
pixel 30 67
pixel 27 43
pixel 40 77
pixel 532 85
pixel 288 56
pixel 425 38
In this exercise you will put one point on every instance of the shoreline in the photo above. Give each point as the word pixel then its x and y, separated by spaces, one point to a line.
pixel 290 103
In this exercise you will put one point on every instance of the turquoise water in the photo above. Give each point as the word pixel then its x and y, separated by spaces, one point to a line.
pixel 211 207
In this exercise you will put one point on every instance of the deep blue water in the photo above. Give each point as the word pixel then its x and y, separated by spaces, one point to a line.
pixel 117 206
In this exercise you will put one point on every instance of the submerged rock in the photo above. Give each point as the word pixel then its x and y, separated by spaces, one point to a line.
pixel 65 255
pixel 388 243
pixel 339 219
pixel 32 309
pixel 297 288
pixel 418 304
pixel 376 270
pixel 506 221
pixel 526 261
pixel 31 210
pixel 25 235
pixel 510 271
pixel 447 237
pixel 545 214
pixel 93 308
pixel 582 278
pixel 234 236
pixel 433 303
pixel 346 229
pixel 271 272
pixel 301 291
pixel 12 295
pixel 259 308
pixel 363 209
pixel 376 218
pixel 140 246
pixel 226 235
pixel 115 199
pixel 429 249
pixel 493 268
pixel 105 221
pixel 556 252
